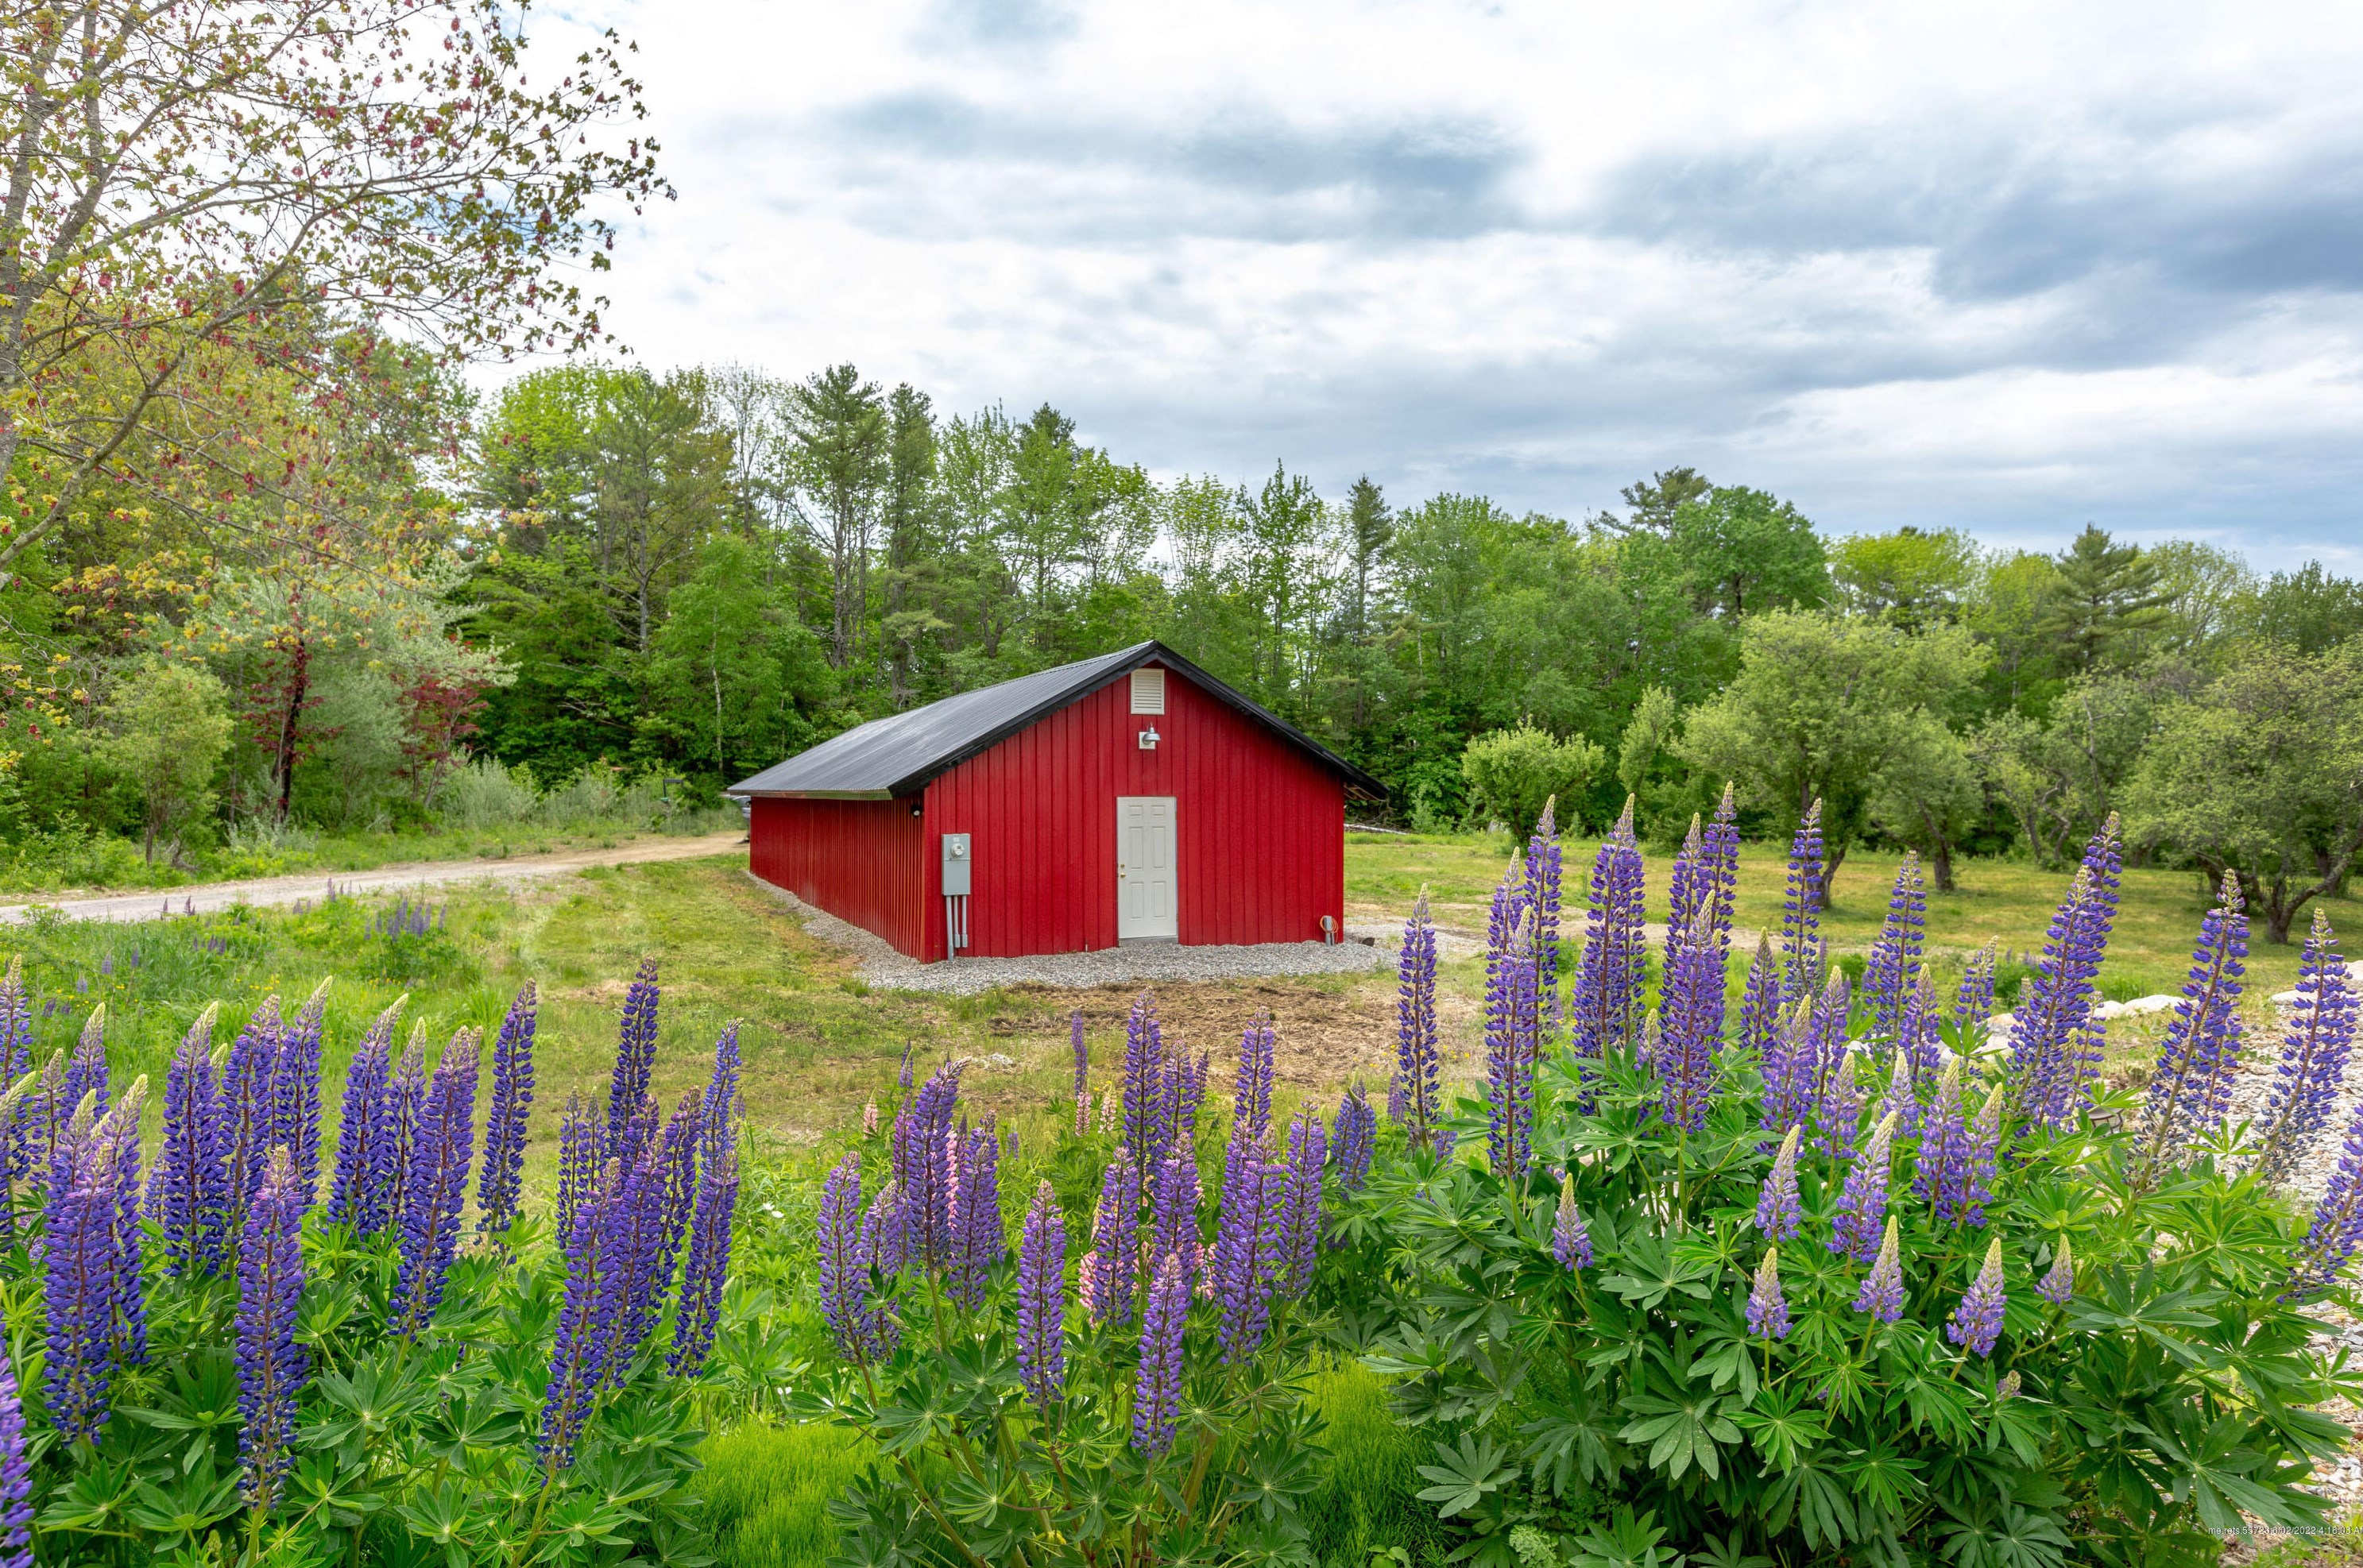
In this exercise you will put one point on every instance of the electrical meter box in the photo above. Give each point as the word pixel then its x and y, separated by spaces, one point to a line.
pixel 956 863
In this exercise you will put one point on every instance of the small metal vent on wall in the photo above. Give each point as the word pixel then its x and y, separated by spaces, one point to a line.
pixel 1148 691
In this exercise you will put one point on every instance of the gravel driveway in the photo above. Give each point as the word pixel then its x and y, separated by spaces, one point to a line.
pixel 207 897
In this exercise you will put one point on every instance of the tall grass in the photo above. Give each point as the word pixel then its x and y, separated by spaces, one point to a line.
pixel 768 1489
pixel 1368 1498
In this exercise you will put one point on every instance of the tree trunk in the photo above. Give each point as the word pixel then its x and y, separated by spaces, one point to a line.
pixel 299 681
pixel 1940 864
pixel 1834 854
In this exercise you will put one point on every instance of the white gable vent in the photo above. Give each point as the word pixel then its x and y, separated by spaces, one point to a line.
pixel 1148 691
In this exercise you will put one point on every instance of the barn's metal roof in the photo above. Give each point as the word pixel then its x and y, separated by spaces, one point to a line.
pixel 899 754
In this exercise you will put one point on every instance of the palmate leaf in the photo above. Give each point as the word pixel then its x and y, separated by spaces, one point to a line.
pixel 1649 1271
pixel 1883 1482
pixel 1816 1501
pixel 1781 1428
pixel 2011 1537
pixel 1462 1477
pixel 2117 1304
pixel 2215 1474
pixel 195 1500
pixel 1577 1447
pixel 1624 1541
pixel 1727 1553
pixel 1682 1429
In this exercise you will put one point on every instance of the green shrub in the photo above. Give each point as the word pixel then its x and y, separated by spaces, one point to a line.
pixel 768 1489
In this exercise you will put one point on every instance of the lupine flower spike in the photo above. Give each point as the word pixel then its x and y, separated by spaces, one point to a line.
pixel 1767 1309
pixel 1082 1074
pixel 1893 972
pixel 1042 1301
pixel 703 1275
pixel 1760 1005
pixel 295 1092
pixel 1570 1237
pixel 1353 1137
pixel 2316 1038
pixel 16 1468
pixel 436 1188
pixel 2191 1088
pixel 1543 879
pixel 1512 1019
pixel 1156 1394
pixel 2058 1282
pixel 505 1119
pixel 358 1195
pixel 184 1190
pixel 1412 1098
pixel 1606 1007
pixel 1780 1212
pixel 841 1266
pixel 2337 1225
pixel 1973 1003
pixel 1976 1323
pixel 1838 1115
pixel 2051 1043
pixel 81 1280
pixel 1882 1294
pixel 271 1367
pixel 1800 912
pixel 1109 1270
pixel 1862 1201
pixel 635 1056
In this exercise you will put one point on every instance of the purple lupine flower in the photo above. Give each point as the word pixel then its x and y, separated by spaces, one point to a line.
pixel 183 1189
pixel 882 1249
pixel 1082 1074
pixel 1826 1030
pixel 976 1221
pixel 45 1113
pixel 1892 973
pixel 2191 1088
pixel 1882 1294
pixel 678 1156
pixel 130 1270
pixel 1690 1033
pixel 82 1276
pixel 902 1074
pixel 583 1336
pixel 1759 1004
pixel 87 1068
pixel 502 1176
pixel 1779 1211
pixel 1110 1274
pixel 841 1267
pixel 1352 1138
pixel 15 1060
pixel 703 1276
pixel 2053 1035
pixel 635 1218
pixel 1412 1098
pixel 1543 873
pixel 1246 1246
pixel 2317 1034
pixel 1767 1309
pixel 1918 1054
pixel 1791 1074
pixel 357 1194
pixel 2058 1283
pixel 244 1113
pixel 1181 1088
pixel 1984 1152
pixel 1157 1393
pixel 1174 1214
pixel 1940 1175
pixel 635 1058
pixel 271 1367
pixel 1976 1323
pixel 1042 1301
pixel 1605 1008
pixel 1837 1114
pixel 1511 1020
pixel 1251 1080
pixel 1862 1201
pixel 16 1468
pixel 1721 866
pixel 1144 1062
pixel 295 1092
pixel 2337 1228
pixel 1973 1003
pixel 1570 1237
pixel 436 1188
pixel 1298 1226
pixel 1689 890
pixel 922 1153
pixel 405 1098
pixel 580 1138
pixel 1802 896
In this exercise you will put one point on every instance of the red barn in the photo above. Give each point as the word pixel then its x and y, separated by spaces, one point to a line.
pixel 1127 798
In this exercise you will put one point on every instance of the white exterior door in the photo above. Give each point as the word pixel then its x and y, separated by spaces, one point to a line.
pixel 1144 904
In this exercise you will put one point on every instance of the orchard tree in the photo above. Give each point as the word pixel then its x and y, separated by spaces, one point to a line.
pixel 168 727
pixel 1822 707
pixel 1927 796
pixel 190 187
pixel 2260 774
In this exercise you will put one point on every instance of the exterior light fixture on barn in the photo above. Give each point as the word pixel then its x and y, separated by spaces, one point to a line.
pixel 1127 798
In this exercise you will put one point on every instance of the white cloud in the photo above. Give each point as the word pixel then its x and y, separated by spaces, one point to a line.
pixel 2008 266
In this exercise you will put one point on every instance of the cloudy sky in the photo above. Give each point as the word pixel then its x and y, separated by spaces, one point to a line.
pixel 2002 265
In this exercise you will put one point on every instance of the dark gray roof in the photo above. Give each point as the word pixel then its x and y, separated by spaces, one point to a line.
pixel 899 754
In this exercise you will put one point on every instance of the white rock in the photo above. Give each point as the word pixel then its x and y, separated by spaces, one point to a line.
pixel 2133 1009
pixel 2285 998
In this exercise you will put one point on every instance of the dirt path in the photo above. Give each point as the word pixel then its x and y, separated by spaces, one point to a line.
pixel 207 897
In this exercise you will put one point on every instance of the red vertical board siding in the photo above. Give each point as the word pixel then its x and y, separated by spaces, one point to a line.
pixel 1258 828
pixel 860 860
